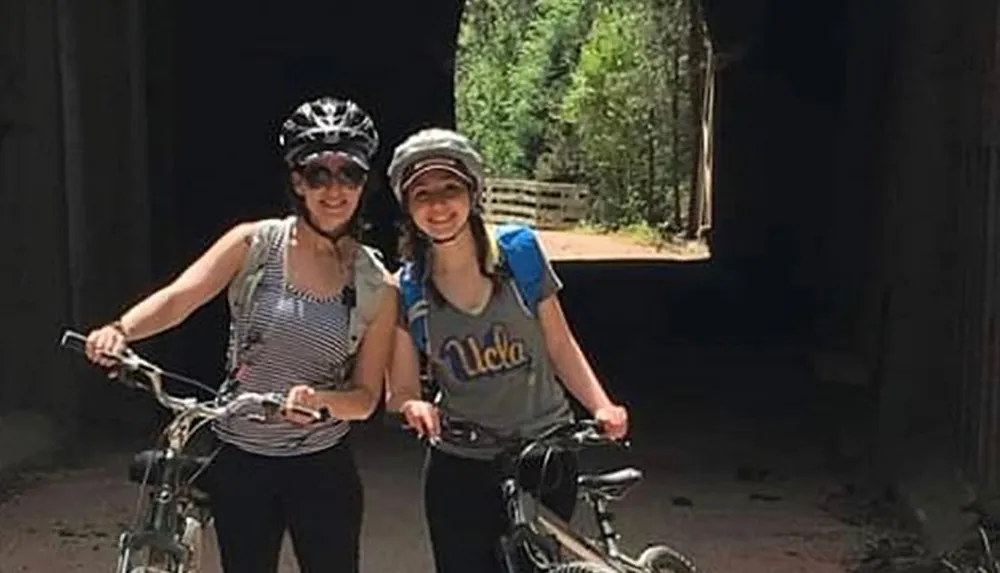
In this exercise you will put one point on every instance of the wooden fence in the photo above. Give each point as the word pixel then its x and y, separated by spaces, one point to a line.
pixel 540 205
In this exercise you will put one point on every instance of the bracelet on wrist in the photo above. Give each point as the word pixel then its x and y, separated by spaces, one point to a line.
pixel 117 325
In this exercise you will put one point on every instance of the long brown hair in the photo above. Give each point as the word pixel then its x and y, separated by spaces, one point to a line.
pixel 414 247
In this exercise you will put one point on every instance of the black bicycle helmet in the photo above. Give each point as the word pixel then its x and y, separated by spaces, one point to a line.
pixel 328 124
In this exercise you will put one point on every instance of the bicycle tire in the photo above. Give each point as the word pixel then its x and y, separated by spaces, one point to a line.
pixel 193 540
pixel 663 559
pixel 581 567
pixel 156 562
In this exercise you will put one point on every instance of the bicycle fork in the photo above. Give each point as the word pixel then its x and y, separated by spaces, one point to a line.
pixel 160 526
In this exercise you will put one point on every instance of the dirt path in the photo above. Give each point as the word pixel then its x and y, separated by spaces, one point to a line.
pixel 569 245
pixel 580 246
pixel 70 520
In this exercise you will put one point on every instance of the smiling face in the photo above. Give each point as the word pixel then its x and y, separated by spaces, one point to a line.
pixel 439 203
pixel 330 185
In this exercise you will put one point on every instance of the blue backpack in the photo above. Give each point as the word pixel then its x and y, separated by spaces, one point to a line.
pixel 514 252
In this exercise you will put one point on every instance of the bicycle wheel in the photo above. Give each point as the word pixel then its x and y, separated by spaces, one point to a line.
pixel 662 559
pixel 192 538
pixel 581 567
pixel 156 562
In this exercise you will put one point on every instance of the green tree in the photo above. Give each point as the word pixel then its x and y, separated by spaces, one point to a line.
pixel 585 90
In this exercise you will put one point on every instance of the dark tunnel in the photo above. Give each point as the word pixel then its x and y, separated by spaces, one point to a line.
pixel 852 283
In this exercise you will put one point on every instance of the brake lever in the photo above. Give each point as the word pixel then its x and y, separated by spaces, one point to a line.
pixel 594 436
pixel 125 373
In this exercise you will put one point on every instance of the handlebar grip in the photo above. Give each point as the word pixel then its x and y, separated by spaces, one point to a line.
pixel 74 341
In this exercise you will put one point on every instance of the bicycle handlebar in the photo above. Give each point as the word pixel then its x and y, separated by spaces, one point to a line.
pixel 571 435
pixel 131 363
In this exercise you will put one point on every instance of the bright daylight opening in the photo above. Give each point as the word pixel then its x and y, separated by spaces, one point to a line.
pixel 595 122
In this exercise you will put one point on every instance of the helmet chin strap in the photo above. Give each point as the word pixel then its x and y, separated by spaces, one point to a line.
pixel 332 236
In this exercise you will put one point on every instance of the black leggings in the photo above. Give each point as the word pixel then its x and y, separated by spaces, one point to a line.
pixel 317 497
pixel 464 508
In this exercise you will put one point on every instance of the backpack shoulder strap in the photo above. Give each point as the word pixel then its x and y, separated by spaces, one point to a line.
pixel 246 278
pixel 521 255
pixel 370 275
pixel 415 305
pixel 514 247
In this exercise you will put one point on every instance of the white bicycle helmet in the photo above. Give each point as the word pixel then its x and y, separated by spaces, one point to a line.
pixel 436 148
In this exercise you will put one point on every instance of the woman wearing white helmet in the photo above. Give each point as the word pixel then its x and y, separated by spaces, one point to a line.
pixel 493 363
pixel 312 312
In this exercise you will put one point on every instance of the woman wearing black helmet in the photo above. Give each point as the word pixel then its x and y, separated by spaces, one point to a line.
pixel 312 312
pixel 495 354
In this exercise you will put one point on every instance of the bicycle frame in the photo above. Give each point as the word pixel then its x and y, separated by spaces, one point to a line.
pixel 581 548
pixel 536 539
pixel 537 534
pixel 539 540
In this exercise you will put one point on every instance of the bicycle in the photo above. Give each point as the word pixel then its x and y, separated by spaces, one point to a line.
pixel 537 540
pixel 980 550
pixel 170 533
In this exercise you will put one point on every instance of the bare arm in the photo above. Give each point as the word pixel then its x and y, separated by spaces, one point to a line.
pixel 374 353
pixel 403 383
pixel 198 284
pixel 568 359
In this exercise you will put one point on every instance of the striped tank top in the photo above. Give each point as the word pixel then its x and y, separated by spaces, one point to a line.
pixel 295 338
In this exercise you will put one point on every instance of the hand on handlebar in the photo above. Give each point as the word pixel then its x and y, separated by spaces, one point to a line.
pixel 613 420
pixel 103 345
pixel 422 417
pixel 302 406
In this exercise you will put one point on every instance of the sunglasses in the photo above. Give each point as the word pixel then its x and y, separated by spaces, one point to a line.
pixel 320 176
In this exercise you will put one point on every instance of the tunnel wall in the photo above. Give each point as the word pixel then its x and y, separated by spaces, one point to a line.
pixel 75 206
pixel 910 285
pixel 934 277
pixel 856 174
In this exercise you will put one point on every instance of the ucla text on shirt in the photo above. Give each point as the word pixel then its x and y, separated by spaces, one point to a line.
pixel 494 353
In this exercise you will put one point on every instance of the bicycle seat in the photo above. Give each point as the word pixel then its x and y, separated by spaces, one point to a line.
pixel 148 466
pixel 614 484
